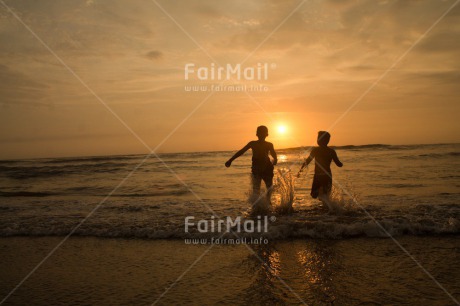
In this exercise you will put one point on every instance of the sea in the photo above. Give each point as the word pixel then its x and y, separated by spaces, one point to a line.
pixel 389 234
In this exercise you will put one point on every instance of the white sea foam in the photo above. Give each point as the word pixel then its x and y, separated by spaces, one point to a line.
pixel 280 229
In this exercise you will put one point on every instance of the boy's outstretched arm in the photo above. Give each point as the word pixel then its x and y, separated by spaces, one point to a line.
pixel 238 154
pixel 336 160
pixel 306 162
pixel 273 154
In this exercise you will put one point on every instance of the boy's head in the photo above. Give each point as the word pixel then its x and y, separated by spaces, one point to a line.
pixel 323 138
pixel 262 132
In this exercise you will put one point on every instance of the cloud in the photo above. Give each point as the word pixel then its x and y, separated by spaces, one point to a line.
pixel 444 42
pixel 154 55
pixel 427 79
pixel 18 88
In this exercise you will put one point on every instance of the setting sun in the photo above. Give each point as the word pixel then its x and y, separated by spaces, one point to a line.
pixel 282 129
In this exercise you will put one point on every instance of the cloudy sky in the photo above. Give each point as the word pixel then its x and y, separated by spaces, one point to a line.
pixel 90 69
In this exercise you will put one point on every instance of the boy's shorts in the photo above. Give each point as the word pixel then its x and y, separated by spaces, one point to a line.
pixel 265 173
pixel 323 181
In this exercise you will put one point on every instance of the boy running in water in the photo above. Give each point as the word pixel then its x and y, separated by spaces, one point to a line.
pixel 262 166
pixel 323 155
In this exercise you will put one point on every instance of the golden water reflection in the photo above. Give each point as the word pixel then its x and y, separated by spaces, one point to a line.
pixel 282 158
pixel 308 267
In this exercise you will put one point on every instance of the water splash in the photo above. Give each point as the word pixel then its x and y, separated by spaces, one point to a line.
pixel 284 188
pixel 258 199
pixel 341 199
pixel 259 203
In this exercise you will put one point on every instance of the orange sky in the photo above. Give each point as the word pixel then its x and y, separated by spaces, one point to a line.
pixel 131 54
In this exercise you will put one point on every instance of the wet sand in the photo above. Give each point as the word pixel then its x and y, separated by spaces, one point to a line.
pixel 358 271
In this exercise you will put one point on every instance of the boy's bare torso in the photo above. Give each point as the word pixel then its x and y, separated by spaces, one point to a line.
pixel 323 158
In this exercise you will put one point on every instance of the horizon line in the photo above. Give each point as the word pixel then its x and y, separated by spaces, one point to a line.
pixel 217 151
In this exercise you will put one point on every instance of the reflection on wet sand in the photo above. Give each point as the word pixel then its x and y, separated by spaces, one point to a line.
pixel 293 273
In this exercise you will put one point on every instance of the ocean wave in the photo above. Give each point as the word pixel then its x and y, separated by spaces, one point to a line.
pixel 430 155
pixel 94 193
pixel 26 194
pixel 26 172
pixel 194 154
pixel 182 191
pixel 401 185
pixel 369 146
pixel 130 158
pixel 437 155
pixel 352 148
pixel 280 230
pixel 21 172
pixel 389 147
pixel 376 147
pixel 88 159
pixel 133 191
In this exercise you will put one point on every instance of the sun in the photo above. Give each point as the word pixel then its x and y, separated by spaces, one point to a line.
pixel 282 129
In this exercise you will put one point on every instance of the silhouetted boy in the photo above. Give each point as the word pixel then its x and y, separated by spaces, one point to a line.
pixel 323 155
pixel 262 167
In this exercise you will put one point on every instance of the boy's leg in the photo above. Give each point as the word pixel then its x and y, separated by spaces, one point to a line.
pixel 325 187
pixel 315 186
pixel 256 181
pixel 268 180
